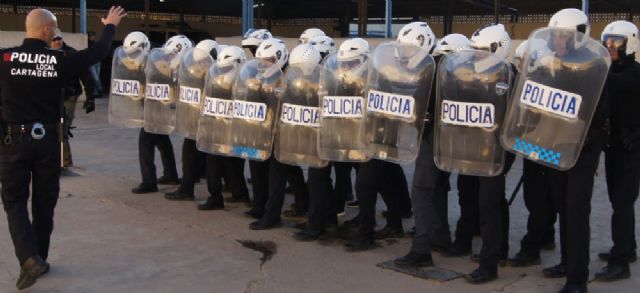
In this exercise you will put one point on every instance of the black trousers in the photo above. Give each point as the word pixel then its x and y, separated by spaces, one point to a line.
pixel 229 168
pixel 429 197
pixel 279 174
pixel 388 179
pixel 22 162
pixel 260 184
pixel 343 184
pixel 493 215
pixel 623 181
pixel 192 159
pixel 468 223
pixel 147 142
pixel 539 202
pixel 322 202
pixel 572 191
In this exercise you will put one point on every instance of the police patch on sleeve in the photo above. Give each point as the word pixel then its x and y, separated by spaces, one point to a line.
pixel 158 92
pixel 551 100
pixel 124 87
pixel 343 107
pixel 218 107
pixel 190 95
pixel 300 115
pixel 250 110
pixel 394 105
pixel 468 114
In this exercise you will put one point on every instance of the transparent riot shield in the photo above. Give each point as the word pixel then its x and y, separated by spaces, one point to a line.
pixel 193 69
pixel 214 126
pixel 341 135
pixel 160 92
pixel 299 118
pixel 256 92
pixel 555 97
pixel 126 103
pixel 473 89
pixel 397 95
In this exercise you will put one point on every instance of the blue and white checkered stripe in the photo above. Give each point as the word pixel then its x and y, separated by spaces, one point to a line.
pixel 536 152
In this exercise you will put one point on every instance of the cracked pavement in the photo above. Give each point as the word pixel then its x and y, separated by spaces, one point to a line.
pixel 109 240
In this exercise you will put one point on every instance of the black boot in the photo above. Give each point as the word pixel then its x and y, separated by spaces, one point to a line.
pixel 605 256
pixel 168 181
pixel 360 244
pixel 308 235
pixel 178 195
pixel 211 204
pixel 557 271
pixel 574 288
pixel 613 273
pixel 414 259
pixel 481 275
pixel 144 188
pixel 523 259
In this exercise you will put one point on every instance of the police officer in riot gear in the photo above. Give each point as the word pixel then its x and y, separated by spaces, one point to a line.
pixel 538 201
pixel 622 155
pixel 31 79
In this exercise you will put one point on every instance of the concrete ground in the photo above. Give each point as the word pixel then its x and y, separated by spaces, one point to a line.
pixel 110 240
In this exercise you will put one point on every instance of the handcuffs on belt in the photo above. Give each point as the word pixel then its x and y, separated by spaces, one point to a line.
pixel 37 132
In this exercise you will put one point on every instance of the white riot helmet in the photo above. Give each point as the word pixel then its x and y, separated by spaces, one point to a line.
pixel 419 34
pixel 572 20
pixel 493 38
pixel 451 43
pixel 136 41
pixel 255 37
pixel 208 47
pixel 306 56
pixel 309 34
pixel 353 55
pixel 230 55
pixel 178 44
pixel 624 36
pixel 324 44
pixel 274 51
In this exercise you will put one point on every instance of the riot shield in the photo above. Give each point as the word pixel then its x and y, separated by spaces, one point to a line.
pixel 194 66
pixel 160 92
pixel 341 135
pixel 214 126
pixel 397 95
pixel 256 92
pixel 126 103
pixel 472 92
pixel 299 118
pixel 555 97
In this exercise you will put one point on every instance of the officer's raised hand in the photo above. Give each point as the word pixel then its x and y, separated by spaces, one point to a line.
pixel 116 14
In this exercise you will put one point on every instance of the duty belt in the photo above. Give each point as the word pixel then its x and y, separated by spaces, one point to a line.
pixel 36 129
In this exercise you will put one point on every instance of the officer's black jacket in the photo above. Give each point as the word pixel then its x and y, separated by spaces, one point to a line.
pixel 73 87
pixel 32 76
pixel 624 91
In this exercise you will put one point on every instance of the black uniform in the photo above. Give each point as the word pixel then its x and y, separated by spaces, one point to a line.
pixel 232 170
pixel 31 79
pixel 191 168
pixel 279 175
pixel 147 142
pixel 622 157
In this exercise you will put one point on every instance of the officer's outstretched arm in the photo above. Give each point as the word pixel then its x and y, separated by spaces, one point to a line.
pixel 84 58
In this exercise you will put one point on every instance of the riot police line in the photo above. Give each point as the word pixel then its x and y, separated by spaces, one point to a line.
pixel 468 111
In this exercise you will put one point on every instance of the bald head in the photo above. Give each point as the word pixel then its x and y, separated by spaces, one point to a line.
pixel 41 24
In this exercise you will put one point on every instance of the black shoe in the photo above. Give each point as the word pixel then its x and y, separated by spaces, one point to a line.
pixel 254 213
pixel 178 195
pixel 211 204
pixel 30 271
pixel 414 260
pixel 140 189
pixel 238 199
pixel 360 244
pixel 558 271
pixel 264 225
pixel 443 250
pixel 168 181
pixel 308 235
pixel 389 232
pixel 294 213
pixel 549 246
pixel 476 258
pixel 353 223
pixel 522 259
pixel 605 256
pixel 457 252
pixel 480 276
pixel 613 273
pixel 353 204
pixel 570 288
